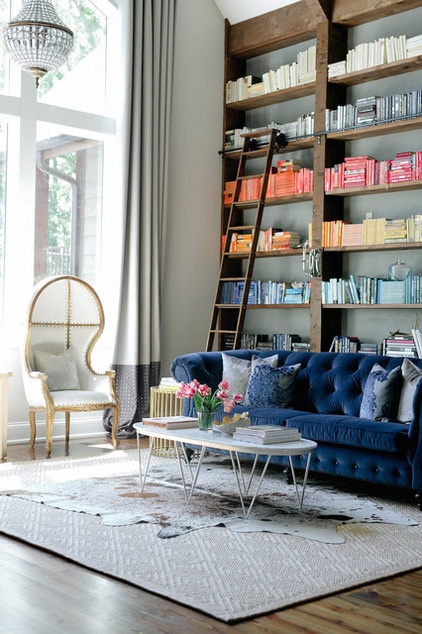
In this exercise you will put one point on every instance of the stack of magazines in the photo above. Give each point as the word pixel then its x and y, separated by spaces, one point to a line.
pixel 266 434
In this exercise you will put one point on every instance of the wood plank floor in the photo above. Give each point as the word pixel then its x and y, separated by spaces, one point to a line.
pixel 43 594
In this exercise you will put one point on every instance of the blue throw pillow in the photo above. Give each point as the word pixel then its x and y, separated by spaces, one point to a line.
pixel 381 394
pixel 272 387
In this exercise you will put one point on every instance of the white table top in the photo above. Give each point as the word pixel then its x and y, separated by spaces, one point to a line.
pixel 218 440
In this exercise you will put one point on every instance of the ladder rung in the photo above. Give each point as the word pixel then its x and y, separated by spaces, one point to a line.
pixel 240 227
pixel 232 279
pixel 249 203
pixel 257 133
pixel 224 332
pixel 254 154
pixel 249 176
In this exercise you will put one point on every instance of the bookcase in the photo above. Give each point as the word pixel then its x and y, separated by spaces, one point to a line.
pixel 280 39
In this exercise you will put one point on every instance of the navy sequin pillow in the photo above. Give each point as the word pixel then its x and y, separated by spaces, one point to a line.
pixel 272 387
pixel 381 394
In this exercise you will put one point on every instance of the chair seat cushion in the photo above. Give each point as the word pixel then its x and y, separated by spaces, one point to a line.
pixel 352 431
pixel 76 398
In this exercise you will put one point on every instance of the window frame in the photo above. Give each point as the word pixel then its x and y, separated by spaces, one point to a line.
pixel 22 113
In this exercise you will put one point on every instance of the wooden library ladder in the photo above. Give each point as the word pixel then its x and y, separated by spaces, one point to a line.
pixel 227 319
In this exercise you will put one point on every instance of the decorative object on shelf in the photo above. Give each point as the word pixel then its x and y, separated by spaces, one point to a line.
pixel 208 402
pixel 399 270
pixel 36 39
pixel 311 261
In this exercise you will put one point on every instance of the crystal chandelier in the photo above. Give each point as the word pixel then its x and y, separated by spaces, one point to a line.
pixel 36 39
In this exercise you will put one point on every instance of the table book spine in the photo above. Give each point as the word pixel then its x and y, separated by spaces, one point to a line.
pixel 260 440
pixel 267 433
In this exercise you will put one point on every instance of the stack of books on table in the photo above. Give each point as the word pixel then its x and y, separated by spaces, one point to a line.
pixel 266 434
pixel 171 422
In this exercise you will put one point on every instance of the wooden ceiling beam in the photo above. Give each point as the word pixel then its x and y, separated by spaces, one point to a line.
pixel 352 13
pixel 289 25
pixel 321 9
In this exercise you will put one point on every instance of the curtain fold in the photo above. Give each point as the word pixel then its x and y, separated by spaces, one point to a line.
pixel 146 133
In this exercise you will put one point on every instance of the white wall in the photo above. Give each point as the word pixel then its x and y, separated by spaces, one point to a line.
pixel 193 230
pixel 239 10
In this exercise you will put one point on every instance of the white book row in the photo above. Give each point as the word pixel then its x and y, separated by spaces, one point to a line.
pixel 299 72
pixel 384 50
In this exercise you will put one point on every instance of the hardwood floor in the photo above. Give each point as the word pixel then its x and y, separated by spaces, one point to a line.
pixel 43 594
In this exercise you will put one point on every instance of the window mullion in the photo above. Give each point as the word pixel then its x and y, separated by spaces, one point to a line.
pixel 21 206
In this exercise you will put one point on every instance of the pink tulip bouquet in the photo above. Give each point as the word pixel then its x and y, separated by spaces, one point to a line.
pixel 207 401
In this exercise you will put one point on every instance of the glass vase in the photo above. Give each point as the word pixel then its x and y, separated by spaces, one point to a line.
pixel 399 270
pixel 206 420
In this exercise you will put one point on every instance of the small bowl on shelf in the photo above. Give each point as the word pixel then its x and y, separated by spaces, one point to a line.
pixel 230 428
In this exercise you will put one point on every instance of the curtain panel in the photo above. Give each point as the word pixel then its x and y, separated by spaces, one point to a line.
pixel 149 50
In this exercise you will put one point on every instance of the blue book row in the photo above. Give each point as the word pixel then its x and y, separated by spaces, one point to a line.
pixel 360 289
pixel 266 292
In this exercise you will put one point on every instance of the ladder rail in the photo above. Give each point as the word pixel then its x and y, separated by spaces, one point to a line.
pixel 221 315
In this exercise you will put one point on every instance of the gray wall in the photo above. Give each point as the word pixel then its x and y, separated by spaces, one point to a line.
pixel 193 226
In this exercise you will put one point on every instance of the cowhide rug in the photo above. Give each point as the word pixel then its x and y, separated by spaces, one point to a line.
pixel 109 487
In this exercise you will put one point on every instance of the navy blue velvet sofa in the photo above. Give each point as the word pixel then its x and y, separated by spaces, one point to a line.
pixel 326 406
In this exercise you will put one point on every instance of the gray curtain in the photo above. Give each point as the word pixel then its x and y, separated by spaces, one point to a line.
pixel 147 131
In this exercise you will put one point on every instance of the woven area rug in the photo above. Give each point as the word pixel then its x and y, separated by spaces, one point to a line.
pixel 221 564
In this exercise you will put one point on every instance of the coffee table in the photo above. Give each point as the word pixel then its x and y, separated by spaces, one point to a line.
pixel 215 440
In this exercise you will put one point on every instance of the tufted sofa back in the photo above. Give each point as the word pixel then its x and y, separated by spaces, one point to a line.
pixel 327 383
pixel 332 383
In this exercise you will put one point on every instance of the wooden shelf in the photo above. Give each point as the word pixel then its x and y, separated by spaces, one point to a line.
pixel 379 72
pixel 267 254
pixel 304 90
pixel 376 189
pixel 378 129
pixel 278 200
pixel 270 306
pixel 295 145
pixel 263 306
pixel 373 306
pixel 398 246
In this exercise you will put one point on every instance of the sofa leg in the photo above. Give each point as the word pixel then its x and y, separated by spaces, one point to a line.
pixel 418 499
pixel 288 473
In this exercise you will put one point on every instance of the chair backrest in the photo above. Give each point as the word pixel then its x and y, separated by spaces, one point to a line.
pixel 65 317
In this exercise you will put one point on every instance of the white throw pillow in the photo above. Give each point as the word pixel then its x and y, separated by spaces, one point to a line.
pixel 236 372
pixel 271 361
pixel 411 376
pixel 60 369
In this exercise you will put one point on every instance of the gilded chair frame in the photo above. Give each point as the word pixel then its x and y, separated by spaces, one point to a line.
pixel 99 391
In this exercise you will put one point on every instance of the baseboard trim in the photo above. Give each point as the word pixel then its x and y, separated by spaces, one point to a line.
pixel 19 432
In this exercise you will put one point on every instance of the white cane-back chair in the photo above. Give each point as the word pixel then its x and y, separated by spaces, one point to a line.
pixel 65 320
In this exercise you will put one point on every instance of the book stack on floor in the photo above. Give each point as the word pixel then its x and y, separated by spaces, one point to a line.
pixel 266 434
pixel 171 422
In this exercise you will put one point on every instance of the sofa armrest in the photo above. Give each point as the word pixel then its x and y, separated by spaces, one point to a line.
pixel 415 440
pixel 205 367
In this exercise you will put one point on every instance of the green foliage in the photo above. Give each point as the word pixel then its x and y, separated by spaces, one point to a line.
pixel 60 202
pixel 88 25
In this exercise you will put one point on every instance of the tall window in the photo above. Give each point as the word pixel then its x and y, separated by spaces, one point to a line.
pixel 56 150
